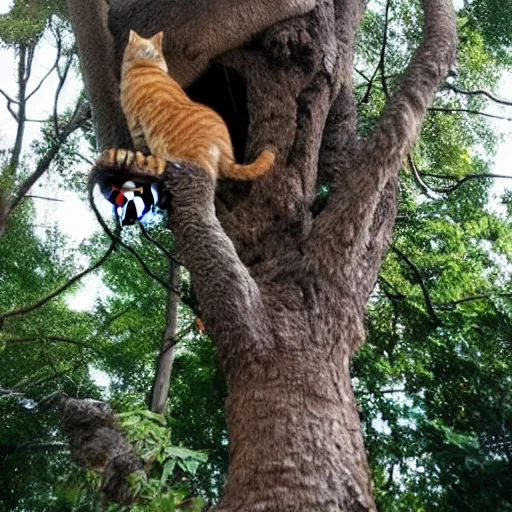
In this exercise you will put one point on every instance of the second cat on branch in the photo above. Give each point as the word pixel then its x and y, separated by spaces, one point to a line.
pixel 164 120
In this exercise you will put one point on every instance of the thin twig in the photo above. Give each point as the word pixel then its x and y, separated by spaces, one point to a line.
pixel 85 159
pixel 30 60
pixel 476 92
pixel 56 339
pixel 397 295
pixel 7 97
pixel 483 296
pixel 419 280
pixel 157 244
pixel 424 187
pixel 50 71
pixel 461 181
pixel 468 111
pixel 383 50
pixel 179 336
pixel 380 392
pixel 380 64
pixel 360 73
pixel 62 80
pixel 44 198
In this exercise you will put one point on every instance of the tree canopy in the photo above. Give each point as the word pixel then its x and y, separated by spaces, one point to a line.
pixel 434 379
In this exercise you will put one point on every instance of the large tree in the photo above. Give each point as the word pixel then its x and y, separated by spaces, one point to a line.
pixel 282 274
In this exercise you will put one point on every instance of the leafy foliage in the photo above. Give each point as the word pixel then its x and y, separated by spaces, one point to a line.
pixel 165 485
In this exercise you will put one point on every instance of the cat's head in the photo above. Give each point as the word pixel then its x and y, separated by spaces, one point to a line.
pixel 149 51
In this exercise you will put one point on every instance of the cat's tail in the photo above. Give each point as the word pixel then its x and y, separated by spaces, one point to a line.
pixel 249 171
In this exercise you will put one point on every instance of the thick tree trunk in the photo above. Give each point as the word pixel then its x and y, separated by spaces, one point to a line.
pixel 283 285
pixel 295 435
pixel 295 438
pixel 291 317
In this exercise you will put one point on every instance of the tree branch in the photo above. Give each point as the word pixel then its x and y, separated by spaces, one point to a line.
pixel 50 71
pixel 361 74
pixel 44 198
pixel 10 392
pixel 56 339
pixel 62 79
pixel 11 111
pixel 441 306
pixel 79 119
pixel 468 111
pixel 483 296
pixel 396 295
pixel 381 63
pixel 419 280
pixel 428 190
pixel 383 50
pixel 424 187
pixel 159 246
pixel 221 281
pixel 7 97
pixel 461 181
pixel 31 49
pixel 381 392
pixel 23 62
pixel 496 99
pixel 116 239
pixel 344 228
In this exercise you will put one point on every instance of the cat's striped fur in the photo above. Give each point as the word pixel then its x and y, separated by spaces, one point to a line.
pixel 164 120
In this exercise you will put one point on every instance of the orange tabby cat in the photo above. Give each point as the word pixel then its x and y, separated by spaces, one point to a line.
pixel 174 127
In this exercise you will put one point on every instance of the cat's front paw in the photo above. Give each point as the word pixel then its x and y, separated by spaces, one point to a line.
pixel 117 158
pixel 131 160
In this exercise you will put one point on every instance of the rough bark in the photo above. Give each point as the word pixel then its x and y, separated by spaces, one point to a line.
pixel 283 290
pixel 98 444
pixel 96 52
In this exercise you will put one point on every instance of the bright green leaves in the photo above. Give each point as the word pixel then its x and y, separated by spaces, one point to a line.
pixel 167 467
pixel 491 19
pixel 434 378
pixel 25 22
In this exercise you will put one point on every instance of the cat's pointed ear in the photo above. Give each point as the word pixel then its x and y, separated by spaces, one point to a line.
pixel 157 40
pixel 133 36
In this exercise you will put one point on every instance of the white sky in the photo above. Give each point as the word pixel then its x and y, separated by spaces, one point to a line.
pixel 74 217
